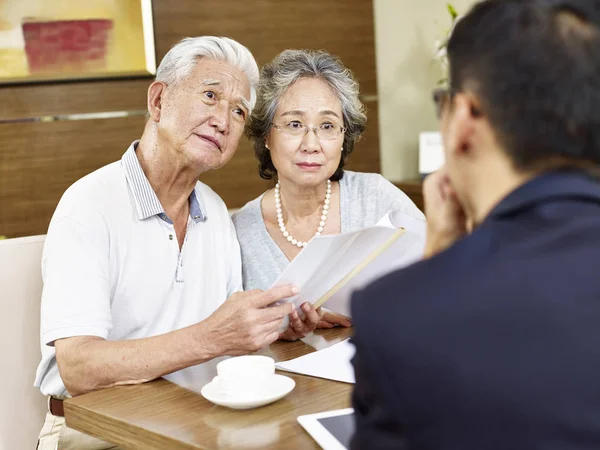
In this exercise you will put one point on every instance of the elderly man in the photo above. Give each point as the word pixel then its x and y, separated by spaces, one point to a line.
pixel 141 265
pixel 493 342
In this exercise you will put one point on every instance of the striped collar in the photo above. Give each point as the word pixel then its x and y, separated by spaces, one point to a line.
pixel 146 201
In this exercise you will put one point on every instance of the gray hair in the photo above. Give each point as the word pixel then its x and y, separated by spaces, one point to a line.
pixel 183 56
pixel 277 76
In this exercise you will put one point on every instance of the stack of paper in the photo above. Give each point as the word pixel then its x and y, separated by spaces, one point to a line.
pixel 332 363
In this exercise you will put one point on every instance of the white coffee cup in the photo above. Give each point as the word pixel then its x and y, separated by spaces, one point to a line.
pixel 244 376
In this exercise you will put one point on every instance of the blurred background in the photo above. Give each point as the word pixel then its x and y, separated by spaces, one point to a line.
pixel 73 83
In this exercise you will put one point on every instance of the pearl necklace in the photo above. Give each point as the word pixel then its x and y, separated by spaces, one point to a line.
pixel 324 213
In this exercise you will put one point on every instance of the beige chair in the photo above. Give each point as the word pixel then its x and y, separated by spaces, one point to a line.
pixel 23 407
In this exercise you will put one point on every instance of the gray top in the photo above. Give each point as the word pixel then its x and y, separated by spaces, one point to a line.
pixel 364 199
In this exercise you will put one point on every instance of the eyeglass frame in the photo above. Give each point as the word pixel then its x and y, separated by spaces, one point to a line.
pixel 313 129
pixel 442 96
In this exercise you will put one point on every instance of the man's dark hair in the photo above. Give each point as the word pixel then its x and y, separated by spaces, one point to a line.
pixel 535 67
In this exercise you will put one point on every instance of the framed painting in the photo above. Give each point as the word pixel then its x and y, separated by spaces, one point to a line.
pixel 42 40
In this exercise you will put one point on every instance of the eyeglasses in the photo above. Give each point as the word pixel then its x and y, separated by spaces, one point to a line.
pixel 325 131
pixel 441 98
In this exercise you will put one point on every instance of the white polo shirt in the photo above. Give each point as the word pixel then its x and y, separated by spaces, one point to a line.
pixel 112 266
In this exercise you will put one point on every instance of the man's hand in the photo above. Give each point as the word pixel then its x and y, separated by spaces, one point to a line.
pixel 243 324
pixel 301 326
pixel 246 322
pixel 446 218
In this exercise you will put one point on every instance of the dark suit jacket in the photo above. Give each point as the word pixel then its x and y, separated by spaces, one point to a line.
pixel 493 344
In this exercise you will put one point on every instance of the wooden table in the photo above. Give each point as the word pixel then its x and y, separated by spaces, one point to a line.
pixel 162 415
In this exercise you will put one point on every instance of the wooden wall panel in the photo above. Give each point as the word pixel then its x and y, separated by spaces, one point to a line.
pixel 44 159
pixel 34 100
pixel 344 28
pixel 365 157
pixel 38 161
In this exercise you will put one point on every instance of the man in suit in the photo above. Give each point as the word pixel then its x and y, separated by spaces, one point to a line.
pixel 492 342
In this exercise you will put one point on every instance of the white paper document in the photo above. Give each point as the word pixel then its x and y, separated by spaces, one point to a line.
pixel 402 253
pixel 332 363
pixel 327 260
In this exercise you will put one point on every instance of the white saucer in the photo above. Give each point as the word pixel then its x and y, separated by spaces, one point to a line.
pixel 278 388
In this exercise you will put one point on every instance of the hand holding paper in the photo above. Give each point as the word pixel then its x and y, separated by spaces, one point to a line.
pixel 299 326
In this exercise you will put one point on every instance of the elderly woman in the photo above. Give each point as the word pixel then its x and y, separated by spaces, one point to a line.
pixel 307 120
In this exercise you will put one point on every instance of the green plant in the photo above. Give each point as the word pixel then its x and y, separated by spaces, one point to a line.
pixel 441 45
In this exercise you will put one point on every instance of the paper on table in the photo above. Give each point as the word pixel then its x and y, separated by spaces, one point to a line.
pixel 332 363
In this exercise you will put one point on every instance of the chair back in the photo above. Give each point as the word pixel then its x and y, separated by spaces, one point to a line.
pixel 23 406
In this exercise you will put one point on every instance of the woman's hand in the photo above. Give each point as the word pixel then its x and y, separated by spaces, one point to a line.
pixel 300 327
pixel 329 319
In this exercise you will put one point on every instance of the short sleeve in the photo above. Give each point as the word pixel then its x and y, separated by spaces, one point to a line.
pixel 75 270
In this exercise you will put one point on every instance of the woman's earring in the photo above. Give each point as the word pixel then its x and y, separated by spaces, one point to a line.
pixel 267 146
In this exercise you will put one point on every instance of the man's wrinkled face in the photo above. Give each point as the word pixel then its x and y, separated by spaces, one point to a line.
pixel 203 115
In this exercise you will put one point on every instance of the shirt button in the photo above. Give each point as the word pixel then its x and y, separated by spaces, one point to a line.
pixel 170 237
pixel 196 217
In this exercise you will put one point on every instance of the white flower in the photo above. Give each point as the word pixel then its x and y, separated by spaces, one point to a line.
pixel 442 53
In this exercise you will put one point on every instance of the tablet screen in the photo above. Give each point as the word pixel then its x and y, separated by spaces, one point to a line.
pixel 332 430
pixel 341 427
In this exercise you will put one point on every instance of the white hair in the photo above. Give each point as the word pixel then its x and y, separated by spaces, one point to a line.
pixel 183 56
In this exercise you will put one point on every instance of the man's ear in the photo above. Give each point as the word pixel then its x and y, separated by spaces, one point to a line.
pixel 155 98
pixel 463 123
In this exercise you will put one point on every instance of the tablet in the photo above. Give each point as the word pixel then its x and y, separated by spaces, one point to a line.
pixel 331 429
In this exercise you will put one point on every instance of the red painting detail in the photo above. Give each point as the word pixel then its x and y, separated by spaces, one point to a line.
pixel 67 45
